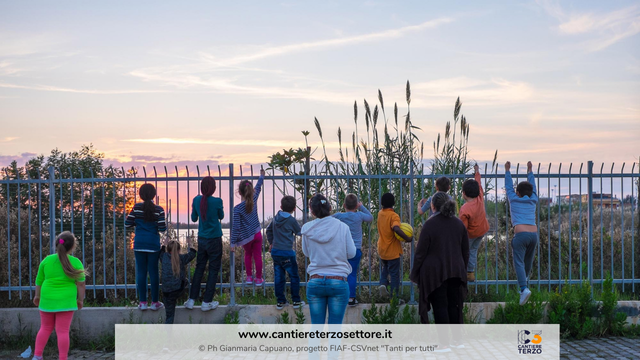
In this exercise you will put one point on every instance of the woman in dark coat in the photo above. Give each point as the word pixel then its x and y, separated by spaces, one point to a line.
pixel 440 264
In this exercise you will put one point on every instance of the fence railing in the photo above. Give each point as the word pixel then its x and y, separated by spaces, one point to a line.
pixel 587 222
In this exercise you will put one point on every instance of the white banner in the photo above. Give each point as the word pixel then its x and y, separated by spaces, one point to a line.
pixel 250 341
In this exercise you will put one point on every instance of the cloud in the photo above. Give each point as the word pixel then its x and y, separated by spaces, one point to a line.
pixel 185 141
pixel 22 158
pixel 606 28
pixel 204 71
pixel 324 44
pixel 79 91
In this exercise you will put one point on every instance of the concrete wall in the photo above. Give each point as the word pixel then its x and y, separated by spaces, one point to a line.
pixel 91 323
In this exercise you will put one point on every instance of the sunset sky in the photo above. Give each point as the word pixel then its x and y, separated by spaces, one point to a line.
pixel 159 83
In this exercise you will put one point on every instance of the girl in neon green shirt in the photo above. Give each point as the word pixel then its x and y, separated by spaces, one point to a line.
pixel 59 292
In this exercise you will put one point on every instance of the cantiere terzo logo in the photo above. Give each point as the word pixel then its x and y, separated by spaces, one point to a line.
pixel 529 342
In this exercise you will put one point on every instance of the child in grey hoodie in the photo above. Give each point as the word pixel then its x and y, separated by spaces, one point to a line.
pixel 281 235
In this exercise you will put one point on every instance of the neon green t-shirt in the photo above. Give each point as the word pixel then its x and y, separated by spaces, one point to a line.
pixel 59 292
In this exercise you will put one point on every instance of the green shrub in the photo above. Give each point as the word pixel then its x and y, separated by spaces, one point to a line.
pixel 573 308
pixel 232 318
pixel 610 322
pixel 513 313
pixel 390 314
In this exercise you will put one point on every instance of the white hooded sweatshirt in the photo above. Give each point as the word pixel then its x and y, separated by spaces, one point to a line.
pixel 328 244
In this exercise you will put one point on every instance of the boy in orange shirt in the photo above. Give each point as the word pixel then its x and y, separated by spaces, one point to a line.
pixel 389 248
pixel 474 218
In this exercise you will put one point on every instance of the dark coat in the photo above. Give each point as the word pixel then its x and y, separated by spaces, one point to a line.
pixel 442 253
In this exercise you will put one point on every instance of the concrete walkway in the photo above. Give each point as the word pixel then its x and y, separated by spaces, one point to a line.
pixel 602 348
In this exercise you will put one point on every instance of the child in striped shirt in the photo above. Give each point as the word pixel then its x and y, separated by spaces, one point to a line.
pixel 246 230
pixel 149 221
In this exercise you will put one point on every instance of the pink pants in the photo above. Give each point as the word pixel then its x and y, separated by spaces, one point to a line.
pixel 61 321
pixel 253 249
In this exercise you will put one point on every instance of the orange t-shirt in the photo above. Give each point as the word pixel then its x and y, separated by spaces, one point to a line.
pixel 473 215
pixel 389 248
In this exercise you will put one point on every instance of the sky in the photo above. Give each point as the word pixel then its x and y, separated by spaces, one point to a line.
pixel 212 83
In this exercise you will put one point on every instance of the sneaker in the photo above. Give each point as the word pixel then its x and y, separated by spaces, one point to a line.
pixel 259 281
pixel 189 304
pixel 471 276
pixel 156 306
pixel 352 302
pixel 524 296
pixel 442 349
pixel 249 280
pixel 143 305
pixel 298 304
pixel 209 306
pixel 280 305
pixel 36 358
pixel 383 291
pixel 457 346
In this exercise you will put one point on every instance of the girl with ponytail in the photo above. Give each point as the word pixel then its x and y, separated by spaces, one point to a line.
pixel 207 210
pixel 440 268
pixel 60 291
pixel 149 220
pixel 174 274
pixel 246 229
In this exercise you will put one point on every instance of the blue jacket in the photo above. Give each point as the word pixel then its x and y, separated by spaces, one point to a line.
pixel 354 220
pixel 147 237
pixel 523 209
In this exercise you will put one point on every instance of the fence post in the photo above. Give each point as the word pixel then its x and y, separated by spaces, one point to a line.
pixel 305 196
pixel 412 301
pixel 52 210
pixel 232 276
pixel 590 220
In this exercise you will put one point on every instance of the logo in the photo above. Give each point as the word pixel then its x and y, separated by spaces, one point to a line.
pixel 529 342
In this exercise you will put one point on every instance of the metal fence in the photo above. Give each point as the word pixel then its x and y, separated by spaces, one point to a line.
pixel 587 222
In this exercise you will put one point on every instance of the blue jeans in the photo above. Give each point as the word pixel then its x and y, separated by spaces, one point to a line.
pixel 391 268
pixel 147 264
pixel 331 294
pixel 353 277
pixel 524 248
pixel 281 266
pixel 474 245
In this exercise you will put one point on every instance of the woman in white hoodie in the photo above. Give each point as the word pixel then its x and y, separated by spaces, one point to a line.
pixel 328 244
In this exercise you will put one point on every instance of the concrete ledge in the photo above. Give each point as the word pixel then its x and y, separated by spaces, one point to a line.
pixel 95 322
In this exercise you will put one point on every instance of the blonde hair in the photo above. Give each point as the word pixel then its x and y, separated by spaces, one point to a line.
pixel 174 250
pixel 64 243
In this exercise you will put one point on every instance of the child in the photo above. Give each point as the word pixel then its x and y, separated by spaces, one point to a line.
pixel 174 274
pixel 354 219
pixel 474 218
pixel 442 184
pixel 523 203
pixel 208 211
pixel 148 219
pixel 59 292
pixel 389 248
pixel 281 235
pixel 246 230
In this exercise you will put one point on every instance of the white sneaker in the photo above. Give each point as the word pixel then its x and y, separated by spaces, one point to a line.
pixel 383 292
pixel 209 306
pixel 457 346
pixel 156 306
pixel 189 304
pixel 524 296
